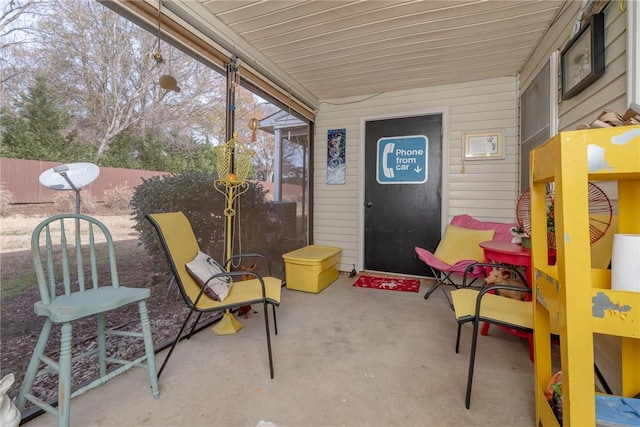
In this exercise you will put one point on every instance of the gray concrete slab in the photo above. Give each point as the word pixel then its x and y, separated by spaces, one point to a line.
pixel 343 357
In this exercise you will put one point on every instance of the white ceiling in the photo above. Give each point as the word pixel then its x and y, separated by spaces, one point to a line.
pixel 339 48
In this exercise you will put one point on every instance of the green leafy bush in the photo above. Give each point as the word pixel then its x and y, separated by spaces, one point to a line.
pixel 194 194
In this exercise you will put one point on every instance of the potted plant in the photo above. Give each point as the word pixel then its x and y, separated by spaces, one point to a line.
pixel 520 236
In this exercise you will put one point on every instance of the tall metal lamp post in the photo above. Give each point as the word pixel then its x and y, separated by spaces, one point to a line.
pixel 233 163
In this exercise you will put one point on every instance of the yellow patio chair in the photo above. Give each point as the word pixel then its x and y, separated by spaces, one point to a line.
pixel 74 283
pixel 181 248
pixel 483 305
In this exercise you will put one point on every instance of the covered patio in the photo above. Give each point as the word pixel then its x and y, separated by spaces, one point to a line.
pixel 359 357
pixel 345 356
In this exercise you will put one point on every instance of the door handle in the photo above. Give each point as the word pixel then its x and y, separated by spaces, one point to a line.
pixel 368 204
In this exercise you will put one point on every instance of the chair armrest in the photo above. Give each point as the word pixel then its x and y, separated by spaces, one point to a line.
pixel 489 288
pixel 497 287
pixel 231 275
pixel 479 267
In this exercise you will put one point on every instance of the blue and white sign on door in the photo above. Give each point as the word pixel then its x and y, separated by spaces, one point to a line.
pixel 402 160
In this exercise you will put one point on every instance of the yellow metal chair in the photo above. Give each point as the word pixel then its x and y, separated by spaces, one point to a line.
pixel 74 284
pixel 180 246
pixel 483 305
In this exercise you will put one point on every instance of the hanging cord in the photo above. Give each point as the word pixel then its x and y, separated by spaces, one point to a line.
pixel 158 55
pixel 236 264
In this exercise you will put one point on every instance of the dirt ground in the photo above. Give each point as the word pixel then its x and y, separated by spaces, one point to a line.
pixel 20 327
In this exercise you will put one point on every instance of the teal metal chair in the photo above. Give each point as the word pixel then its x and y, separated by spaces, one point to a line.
pixel 75 265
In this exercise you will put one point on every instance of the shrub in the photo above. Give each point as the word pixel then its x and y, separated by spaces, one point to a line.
pixel 6 198
pixel 65 202
pixel 118 199
pixel 194 194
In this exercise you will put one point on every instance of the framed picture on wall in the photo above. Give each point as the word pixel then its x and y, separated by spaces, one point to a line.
pixel 483 145
pixel 582 59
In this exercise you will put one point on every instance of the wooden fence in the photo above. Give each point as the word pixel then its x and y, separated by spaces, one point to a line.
pixel 21 178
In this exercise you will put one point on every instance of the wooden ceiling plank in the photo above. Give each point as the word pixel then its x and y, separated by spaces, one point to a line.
pixel 348 77
pixel 443 41
pixel 340 28
pixel 353 36
pixel 480 54
pixel 413 52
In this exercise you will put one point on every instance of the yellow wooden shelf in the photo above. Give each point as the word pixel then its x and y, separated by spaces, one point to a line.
pixel 616 313
pixel 571 297
pixel 545 413
pixel 611 311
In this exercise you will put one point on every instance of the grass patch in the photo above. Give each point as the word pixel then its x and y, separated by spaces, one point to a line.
pixel 18 284
pixel 17 273
pixel 15 233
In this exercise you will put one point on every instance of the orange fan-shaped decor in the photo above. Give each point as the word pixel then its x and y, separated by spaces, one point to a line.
pixel 600 213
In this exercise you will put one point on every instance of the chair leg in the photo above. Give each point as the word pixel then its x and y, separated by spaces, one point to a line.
pixel 102 344
pixel 432 289
pixel 275 320
pixel 485 329
pixel 64 376
pixel 442 279
pixel 531 350
pixel 602 380
pixel 446 295
pixel 472 361
pixel 458 338
pixel 266 324
pixel 148 347
pixel 175 342
pixel 193 328
pixel 32 370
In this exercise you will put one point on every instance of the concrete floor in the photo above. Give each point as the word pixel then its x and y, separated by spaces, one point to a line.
pixel 344 357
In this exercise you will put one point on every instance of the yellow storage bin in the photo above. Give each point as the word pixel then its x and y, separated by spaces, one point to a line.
pixel 312 268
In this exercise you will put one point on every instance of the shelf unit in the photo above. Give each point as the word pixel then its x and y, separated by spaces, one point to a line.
pixel 572 295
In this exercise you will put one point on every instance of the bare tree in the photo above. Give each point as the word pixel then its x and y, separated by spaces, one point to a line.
pixel 103 68
pixel 17 30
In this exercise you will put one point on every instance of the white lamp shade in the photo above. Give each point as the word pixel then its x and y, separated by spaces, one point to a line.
pixel 625 262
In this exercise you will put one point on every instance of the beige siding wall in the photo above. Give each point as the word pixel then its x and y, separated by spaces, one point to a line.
pixel 609 91
pixel 485 189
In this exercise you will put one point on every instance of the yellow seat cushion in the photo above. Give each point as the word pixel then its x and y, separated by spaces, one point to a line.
pixel 507 311
pixel 459 243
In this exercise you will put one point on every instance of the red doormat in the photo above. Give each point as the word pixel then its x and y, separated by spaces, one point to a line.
pixel 392 284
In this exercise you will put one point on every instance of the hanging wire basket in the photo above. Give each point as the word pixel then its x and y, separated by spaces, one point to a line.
pixel 233 161
pixel 236 152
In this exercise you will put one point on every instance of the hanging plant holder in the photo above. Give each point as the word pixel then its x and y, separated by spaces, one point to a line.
pixel 240 154
pixel 233 161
